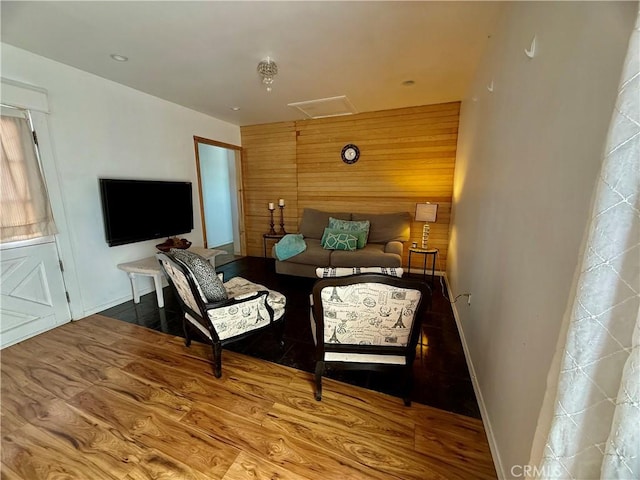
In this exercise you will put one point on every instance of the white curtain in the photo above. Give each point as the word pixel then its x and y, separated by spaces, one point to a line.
pixel 590 422
pixel 24 203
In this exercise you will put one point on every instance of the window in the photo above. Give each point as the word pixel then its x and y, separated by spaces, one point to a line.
pixel 24 203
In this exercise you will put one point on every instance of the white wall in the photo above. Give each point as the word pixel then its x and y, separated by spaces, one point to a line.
pixel 216 193
pixel 103 129
pixel 527 161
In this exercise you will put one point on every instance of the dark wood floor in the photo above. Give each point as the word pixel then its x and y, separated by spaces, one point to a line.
pixel 441 377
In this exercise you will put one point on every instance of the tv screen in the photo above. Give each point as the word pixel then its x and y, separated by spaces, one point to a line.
pixel 137 210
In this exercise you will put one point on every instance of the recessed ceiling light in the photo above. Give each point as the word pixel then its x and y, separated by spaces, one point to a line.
pixel 119 58
pixel 235 109
pixel 408 83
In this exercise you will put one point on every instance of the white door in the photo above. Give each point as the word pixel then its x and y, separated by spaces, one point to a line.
pixel 32 294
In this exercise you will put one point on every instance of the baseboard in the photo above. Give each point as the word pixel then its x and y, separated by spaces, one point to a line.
pixel 113 303
pixel 497 461
pixel 27 330
pixel 419 271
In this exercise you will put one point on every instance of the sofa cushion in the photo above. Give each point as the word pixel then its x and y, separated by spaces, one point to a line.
pixel 340 240
pixel 361 235
pixel 350 226
pixel 386 227
pixel 372 255
pixel 313 255
pixel 314 222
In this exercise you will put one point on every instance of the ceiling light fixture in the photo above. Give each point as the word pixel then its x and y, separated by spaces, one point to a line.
pixel 119 58
pixel 267 69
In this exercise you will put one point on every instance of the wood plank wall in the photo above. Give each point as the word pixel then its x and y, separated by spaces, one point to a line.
pixel 406 156
pixel 269 172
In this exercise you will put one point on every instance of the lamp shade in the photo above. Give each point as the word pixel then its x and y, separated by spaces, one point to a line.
pixel 426 212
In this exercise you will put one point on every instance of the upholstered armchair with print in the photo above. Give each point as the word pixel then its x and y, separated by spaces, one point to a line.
pixel 220 312
pixel 368 321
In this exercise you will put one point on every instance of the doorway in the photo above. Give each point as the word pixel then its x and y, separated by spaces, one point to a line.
pixel 219 176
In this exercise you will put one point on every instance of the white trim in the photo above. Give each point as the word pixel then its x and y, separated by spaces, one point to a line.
pixel 493 446
pixel 119 301
pixel 27 330
pixel 27 243
pixel 24 96
pixel 63 240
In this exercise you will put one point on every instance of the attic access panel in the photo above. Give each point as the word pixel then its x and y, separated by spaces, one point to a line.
pixel 325 107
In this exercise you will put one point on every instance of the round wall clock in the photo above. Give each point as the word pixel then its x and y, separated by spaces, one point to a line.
pixel 350 154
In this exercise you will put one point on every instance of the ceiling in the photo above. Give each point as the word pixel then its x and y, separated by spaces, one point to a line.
pixel 204 55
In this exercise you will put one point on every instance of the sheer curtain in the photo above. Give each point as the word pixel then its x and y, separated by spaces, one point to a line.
pixel 24 203
pixel 589 427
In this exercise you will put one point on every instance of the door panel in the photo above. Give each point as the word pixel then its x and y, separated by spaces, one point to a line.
pixel 32 294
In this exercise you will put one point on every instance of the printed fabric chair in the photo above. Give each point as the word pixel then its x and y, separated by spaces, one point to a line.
pixel 368 321
pixel 248 308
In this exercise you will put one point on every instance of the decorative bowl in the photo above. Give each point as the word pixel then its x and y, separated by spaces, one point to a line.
pixel 170 243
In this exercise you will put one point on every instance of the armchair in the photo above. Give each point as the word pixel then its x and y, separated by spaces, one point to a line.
pixel 250 308
pixel 368 321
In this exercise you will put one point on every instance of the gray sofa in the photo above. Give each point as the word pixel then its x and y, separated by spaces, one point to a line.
pixel 383 249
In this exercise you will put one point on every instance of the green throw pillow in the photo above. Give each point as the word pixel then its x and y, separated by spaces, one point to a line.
pixel 361 235
pixel 340 241
pixel 350 226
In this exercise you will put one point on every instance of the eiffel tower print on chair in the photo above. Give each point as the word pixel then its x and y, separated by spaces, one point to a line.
pixel 399 323
pixel 359 308
pixel 334 296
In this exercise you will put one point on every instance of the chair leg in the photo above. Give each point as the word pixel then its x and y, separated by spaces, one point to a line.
pixel 185 327
pixel 319 372
pixel 281 333
pixel 217 359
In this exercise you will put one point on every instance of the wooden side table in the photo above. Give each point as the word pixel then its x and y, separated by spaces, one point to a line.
pixel 420 251
pixel 269 236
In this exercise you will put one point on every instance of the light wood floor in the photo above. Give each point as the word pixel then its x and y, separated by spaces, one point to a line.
pixel 104 399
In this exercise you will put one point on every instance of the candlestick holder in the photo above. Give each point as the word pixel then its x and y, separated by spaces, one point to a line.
pixel 282 230
pixel 272 230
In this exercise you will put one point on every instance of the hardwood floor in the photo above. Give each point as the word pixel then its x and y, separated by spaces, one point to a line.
pixel 104 399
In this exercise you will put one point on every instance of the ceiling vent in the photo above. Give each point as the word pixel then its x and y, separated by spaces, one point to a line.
pixel 325 107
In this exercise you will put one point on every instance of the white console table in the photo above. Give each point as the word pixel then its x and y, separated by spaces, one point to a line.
pixel 150 267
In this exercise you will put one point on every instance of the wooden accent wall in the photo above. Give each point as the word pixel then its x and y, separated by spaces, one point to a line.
pixel 269 172
pixel 406 156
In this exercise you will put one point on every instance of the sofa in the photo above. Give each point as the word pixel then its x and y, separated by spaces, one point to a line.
pixel 384 244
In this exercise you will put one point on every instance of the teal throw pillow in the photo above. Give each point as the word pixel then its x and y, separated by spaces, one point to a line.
pixel 361 235
pixel 340 241
pixel 350 226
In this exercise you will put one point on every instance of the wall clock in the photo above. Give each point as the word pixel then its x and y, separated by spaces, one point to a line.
pixel 350 154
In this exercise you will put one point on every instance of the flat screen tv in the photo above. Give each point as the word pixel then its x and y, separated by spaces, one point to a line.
pixel 137 210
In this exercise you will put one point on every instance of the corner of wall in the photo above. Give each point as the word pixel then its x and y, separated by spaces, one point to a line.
pixel 486 421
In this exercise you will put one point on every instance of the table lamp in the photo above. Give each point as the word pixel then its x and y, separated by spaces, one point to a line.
pixel 426 212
